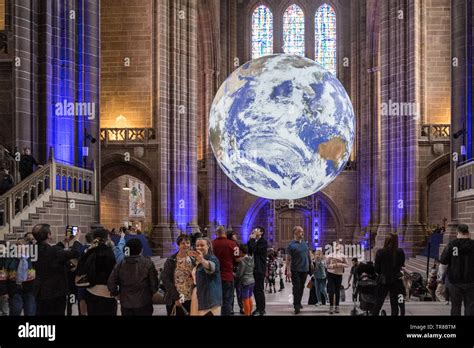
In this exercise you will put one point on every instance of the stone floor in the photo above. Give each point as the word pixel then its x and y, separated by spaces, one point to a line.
pixel 280 304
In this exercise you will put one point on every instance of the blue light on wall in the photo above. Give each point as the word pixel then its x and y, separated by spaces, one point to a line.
pixel 66 85
pixel 249 219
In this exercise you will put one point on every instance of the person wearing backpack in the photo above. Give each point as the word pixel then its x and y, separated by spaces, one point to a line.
pixel 97 265
pixel 458 258
pixel 51 285
pixel 21 282
pixel 134 280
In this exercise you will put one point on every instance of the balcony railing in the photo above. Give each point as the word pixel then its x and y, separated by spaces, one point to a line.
pixel 464 174
pixel 127 136
pixel 54 178
pixel 435 132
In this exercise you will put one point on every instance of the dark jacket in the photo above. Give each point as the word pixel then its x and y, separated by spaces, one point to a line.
pixel 208 283
pixel 51 269
pixel 460 266
pixel 98 263
pixel 258 249
pixel 388 266
pixel 27 163
pixel 6 183
pixel 136 280
pixel 167 278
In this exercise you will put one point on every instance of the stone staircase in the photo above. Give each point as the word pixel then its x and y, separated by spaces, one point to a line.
pixel 57 213
pixel 418 264
pixel 56 194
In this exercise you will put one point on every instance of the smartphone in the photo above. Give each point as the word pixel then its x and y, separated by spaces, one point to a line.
pixel 72 230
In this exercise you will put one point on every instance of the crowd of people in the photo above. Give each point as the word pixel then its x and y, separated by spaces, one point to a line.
pixel 204 276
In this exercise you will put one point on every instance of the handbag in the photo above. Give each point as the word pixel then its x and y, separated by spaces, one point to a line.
pixel 82 281
pixel 159 297
pixel 310 284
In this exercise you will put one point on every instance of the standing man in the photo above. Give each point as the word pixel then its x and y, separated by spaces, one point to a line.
pixel 258 249
pixel 227 252
pixel 298 265
pixel 27 163
pixel 458 256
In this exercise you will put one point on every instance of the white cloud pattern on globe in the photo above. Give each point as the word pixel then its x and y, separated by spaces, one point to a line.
pixel 282 127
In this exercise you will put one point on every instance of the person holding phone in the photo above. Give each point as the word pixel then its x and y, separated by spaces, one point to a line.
pixel 51 270
pixel 177 278
pixel 207 295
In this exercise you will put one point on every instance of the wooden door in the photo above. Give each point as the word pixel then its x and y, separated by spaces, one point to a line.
pixel 287 220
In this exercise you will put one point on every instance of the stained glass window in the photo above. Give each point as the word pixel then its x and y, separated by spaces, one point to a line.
pixel 325 35
pixel 262 32
pixel 293 31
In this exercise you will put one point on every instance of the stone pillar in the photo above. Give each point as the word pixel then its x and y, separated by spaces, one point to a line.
pixel 175 60
pixel 462 38
pixel 400 62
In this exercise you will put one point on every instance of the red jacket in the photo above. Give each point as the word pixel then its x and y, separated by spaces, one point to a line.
pixel 227 252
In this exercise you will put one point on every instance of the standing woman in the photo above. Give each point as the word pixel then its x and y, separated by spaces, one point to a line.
pixel 178 279
pixel 207 295
pixel 97 264
pixel 388 266
pixel 320 276
pixel 336 263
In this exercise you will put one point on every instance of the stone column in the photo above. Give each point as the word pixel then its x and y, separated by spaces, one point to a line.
pixel 175 120
pixel 399 123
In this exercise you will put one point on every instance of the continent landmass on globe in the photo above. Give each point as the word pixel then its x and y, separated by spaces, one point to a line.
pixel 333 150
pixel 281 127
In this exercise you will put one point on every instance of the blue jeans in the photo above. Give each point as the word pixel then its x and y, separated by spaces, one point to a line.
pixel 23 302
pixel 227 297
pixel 321 288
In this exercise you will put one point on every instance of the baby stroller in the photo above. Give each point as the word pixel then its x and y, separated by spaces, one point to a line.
pixel 417 288
pixel 366 291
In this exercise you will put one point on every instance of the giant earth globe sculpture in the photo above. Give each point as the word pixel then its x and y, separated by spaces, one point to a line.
pixel 282 127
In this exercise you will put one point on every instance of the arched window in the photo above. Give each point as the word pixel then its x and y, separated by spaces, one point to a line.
pixel 325 38
pixel 262 32
pixel 293 31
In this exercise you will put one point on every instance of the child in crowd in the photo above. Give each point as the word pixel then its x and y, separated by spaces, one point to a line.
pixel 272 273
pixel 280 274
pixel 245 279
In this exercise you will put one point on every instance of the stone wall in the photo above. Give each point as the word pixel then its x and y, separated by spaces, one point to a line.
pixel 126 33
pixel 439 202
pixel 114 205
pixel 2 14
pixel 437 61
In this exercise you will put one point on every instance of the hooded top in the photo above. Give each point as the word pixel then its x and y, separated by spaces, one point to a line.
pixel 245 269
pixel 459 257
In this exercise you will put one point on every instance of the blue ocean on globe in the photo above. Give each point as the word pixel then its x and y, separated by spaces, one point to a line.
pixel 282 127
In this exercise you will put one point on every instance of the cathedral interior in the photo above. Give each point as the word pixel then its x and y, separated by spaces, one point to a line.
pixel 113 98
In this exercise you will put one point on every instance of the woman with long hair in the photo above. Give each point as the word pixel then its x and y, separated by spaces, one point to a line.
pixel 388 266
pixel 207 295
